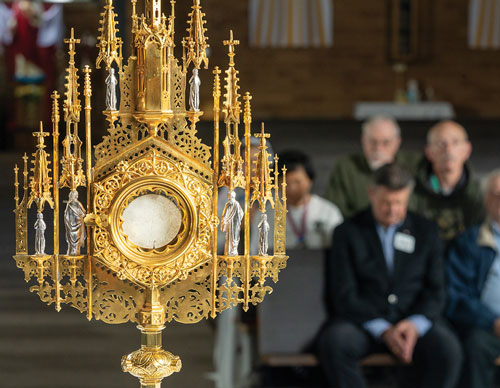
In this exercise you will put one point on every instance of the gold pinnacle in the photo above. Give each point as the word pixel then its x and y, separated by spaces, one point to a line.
pixel 40 135
pixel 72 45
pixel 231 43
pixel 262 135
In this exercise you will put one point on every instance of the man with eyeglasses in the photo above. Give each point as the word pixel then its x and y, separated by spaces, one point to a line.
pixel 446 190
pixel 380 141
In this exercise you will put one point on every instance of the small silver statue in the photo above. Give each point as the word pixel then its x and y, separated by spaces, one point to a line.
pixel 40 227
pixel 111 83
pixel 263 235
pixel 231 224
pixel 75 227
pixel 194 91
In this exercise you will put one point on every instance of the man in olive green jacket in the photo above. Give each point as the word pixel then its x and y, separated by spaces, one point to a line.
pixel 446 190
pixel 380 141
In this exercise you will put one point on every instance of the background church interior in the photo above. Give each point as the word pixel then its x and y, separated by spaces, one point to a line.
pixel 307 98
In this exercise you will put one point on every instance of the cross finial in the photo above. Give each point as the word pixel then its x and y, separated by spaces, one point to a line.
pixel 72 41
pixel 262 134
pixel 40 135
pixel 72 44
pixel 231 43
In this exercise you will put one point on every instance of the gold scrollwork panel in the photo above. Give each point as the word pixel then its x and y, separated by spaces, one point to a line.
pixel 153 173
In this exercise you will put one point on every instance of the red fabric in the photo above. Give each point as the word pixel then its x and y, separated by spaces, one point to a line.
pixel 25 43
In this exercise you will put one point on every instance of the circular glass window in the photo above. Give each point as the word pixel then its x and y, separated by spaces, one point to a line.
pixel 151 221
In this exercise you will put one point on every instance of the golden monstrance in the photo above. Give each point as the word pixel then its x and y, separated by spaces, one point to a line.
pixel 144 249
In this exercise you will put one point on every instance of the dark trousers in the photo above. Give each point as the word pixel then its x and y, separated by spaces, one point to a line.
pixel 481 348
pixel 437 356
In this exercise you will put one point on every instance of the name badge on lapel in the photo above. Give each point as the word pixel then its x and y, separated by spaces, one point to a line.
pixel 404 242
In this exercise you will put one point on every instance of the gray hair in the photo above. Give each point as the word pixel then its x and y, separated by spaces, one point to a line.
pixel 365 127
pixel 488 179
pixel 392 176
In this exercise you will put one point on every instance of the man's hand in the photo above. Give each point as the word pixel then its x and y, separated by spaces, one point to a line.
pixel 401 339
pixel 394 341
pixel 496 327
pixel 410 336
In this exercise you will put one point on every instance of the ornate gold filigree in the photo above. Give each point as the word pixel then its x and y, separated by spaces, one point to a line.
pixel 231 174
pixel 110 46
pixel 151 147
pixel 195 44
pixel 41 182
pixel 279 211
pixel 21 210
pixel 188 188
pixel 262 181
pixel 72 174
pixel 151 365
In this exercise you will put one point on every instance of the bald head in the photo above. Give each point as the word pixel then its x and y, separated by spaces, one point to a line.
pixel 448 147
pixel 443 126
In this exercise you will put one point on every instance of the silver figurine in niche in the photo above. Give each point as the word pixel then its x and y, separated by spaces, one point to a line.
pixel 40 227
pixel 111 83
pixel 75 226
pixel 231 224
pixel 194 91
pixel 263 235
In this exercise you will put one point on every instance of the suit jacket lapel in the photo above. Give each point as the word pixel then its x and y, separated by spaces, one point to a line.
pixel 376 246
pixel 399 256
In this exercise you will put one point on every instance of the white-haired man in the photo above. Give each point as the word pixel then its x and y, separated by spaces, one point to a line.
pixel 380 141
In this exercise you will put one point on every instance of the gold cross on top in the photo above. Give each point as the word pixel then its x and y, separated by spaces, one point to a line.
pixel 262 134
pixel 231 43
pixel 40 135
pixel 72 41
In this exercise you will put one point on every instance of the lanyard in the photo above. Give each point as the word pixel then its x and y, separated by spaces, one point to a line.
pixel 300 233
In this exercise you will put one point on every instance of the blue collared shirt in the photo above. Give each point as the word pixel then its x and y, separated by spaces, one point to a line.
pixel 376 327
pixel 490 296
pixel 386 236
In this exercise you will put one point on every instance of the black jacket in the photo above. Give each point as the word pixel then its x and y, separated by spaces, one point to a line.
pixel 453 213
pixel 359 285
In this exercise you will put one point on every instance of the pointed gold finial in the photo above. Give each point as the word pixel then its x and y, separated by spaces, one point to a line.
pixel 55 108
pixel 72 105
pixel 25 171
pixel 40 184
pixel 232 44
pixel 262 184
pixel 196 41
pixel 247 114
pixel 87 88
pixel 16 185
pixel 110 46
pixel 216 73
pixel 232 103
pixel 232 163
pixel 72 46
pixel 71 173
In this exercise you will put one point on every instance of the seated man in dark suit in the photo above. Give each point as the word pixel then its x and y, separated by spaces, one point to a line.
pixel 386 284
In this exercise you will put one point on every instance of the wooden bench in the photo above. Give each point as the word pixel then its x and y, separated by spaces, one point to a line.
pixel 289 318
pixel 310 360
